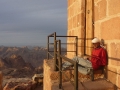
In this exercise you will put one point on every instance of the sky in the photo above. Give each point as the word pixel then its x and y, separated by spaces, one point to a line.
pixel 29 22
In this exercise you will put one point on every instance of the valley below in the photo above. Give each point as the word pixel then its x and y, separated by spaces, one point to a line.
pixel 18 66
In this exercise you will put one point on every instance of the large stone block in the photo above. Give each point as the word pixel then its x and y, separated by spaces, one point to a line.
pixel 80 5
pixel 74 21
pixel 119 71
pixel 69 13
pixel 100 10
pixel 72 11
pixel 111 74
pixel 70 2
pixel 80 19
pixel 118 81
pixel 75 8
pixel 113 7
pixel 110 29
pixel 115 52
pixel 112 69
pixel 115 62
pixel 97 31
pixel 96 0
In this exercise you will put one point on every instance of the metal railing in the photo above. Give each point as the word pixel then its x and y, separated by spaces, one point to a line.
pixel 58 57
pixel 55 49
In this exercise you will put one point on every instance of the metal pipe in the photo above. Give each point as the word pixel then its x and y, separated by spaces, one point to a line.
pixel 52 34
pixel 76 46
pixel 55 50
pixel 48 48
pixel 76 76
pixel 64 36
pixel 60 64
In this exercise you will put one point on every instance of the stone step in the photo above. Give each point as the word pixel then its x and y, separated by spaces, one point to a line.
pixel 99 84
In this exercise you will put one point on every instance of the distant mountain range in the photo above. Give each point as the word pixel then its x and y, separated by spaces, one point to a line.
pixel 34 55
pixel 22 61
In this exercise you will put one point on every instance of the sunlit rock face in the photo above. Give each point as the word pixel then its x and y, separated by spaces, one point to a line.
pixel 1 79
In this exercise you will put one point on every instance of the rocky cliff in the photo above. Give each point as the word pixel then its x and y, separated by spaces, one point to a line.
pixel 34 55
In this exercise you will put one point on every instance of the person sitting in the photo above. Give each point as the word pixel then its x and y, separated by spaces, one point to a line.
pixel 97 59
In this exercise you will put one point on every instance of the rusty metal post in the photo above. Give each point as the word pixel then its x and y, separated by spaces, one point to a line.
pixel 76 45
pixel 48 47
pixel 55 50
pixel 76 76
pixel 57 62
pixel 60 64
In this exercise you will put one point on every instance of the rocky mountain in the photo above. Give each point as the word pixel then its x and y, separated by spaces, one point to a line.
pixel 24 60
pixel 14 61
pixel 21 63
pixel 15 66
pixel 34 55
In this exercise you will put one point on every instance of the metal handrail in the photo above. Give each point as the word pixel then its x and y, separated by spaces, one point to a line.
pixel 55 36
pixel 59 62
pixel 58 58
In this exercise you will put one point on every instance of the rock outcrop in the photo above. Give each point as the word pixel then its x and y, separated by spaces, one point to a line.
pixel 33 55
pixel 14 61
pixel 1 79
pixel 30 85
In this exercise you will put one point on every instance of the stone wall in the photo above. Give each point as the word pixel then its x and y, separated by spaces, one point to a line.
pixel 76 23
pixel 51 77
pixel 106 19
pixel 107 27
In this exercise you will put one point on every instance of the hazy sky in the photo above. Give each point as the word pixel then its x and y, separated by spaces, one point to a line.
pixel 29 22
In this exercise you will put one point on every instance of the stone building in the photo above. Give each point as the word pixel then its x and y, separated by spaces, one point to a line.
pixel 96 18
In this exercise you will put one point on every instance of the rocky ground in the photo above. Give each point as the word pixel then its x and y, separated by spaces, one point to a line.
pixel 20 84
pixel 17 74
pixel 19 64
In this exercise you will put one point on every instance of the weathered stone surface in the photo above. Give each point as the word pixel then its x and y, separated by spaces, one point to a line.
pixel 80 19
pixel 1 79
pixel 97 31
pixel 28 86
pixel 110 29
pixel 70 2
pixel 47 72
pixel 100 10
pixel 118 81
pixel 113 69
pixel 119 71
pixel 99 84
pixel 113 7
pixel 96 0
pixel 112 73
pixel 115 52
pixel 115 62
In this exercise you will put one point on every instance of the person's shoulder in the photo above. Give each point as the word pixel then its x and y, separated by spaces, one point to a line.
pixel 103 47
